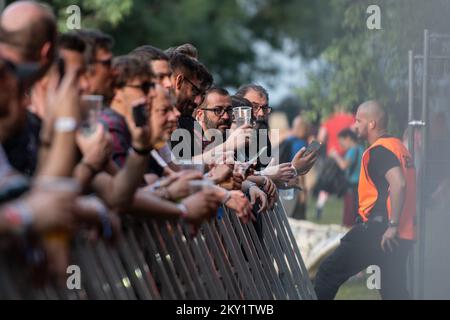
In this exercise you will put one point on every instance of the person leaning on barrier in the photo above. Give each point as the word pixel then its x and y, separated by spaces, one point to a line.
pixel 36 210
pixel 214 114
pixel 98 59
pixel 282 175
pixel 130 75
pixel 159 62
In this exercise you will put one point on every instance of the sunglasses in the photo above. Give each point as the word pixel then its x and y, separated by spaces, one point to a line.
pixel 144 86
pixel 107 63
pixel 196 91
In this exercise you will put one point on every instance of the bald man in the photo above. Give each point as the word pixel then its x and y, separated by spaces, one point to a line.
pixel 28 34
pixel 385 229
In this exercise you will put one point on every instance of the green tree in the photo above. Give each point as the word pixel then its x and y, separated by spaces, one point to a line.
pixel 365 64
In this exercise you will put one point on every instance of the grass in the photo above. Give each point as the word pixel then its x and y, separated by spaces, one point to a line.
pixel 355 288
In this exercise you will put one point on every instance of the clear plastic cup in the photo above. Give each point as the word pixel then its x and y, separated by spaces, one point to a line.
pixel 91 106
pixel 242 116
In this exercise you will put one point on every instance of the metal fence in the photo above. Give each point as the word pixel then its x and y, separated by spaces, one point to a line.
pixel 226 259
pixel 429 142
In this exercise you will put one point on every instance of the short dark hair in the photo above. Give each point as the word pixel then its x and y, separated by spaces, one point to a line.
pixel 191 68
pixel 240 102
pixel 126 68
pixel 220 91
pixel 95 39
pixel 348 133
pixel 149 53
pixel 71 41
pixel 243 90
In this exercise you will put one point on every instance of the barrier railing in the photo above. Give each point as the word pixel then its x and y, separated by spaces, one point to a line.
pixel 154 260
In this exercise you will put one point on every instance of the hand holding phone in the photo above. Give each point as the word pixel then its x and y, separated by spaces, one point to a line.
pixel 313 147
pixel 140 114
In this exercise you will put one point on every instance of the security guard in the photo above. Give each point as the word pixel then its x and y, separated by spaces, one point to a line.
pixel 385 230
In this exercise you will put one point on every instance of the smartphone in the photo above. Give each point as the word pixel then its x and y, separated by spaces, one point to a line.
pixel 140 114
pixel 61 64
pixel 313 147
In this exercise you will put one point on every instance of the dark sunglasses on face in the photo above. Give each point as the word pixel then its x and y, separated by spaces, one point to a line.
pixel 107 63
pixel 220 111
pixel 196 91
pixel 144 86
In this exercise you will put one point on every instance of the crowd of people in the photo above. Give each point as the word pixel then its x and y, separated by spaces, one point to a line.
pixel 88 138
pixel 65 166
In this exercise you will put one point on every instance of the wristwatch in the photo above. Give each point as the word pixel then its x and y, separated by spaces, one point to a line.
pixel 65 124
pixel 392 223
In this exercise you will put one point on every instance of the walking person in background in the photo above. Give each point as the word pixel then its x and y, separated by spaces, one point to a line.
pixel 296 140
pixel 351 164
pixel 328 134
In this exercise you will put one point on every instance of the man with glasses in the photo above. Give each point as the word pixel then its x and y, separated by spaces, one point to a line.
pixel 99 57
pixel 259 98
pixel 190 80
pixel 132 83
pixel 159 62
pixel 216 111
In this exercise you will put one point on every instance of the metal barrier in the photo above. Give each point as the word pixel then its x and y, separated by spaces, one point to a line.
pixel 162 260
pixel 428 99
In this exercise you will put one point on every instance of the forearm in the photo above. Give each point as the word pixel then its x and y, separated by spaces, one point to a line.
pixel 128 179
pixel 209 155
pixel 397 196
pixel 342 163
pixel 147 205
pixel 84 175
pixel 61 158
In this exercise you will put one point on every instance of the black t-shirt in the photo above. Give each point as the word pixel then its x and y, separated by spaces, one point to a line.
pixel 380 162
pixel 22 148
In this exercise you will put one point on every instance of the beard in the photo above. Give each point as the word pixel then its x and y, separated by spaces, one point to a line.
pixel 261 123
pixel 185 105
pixel 215 125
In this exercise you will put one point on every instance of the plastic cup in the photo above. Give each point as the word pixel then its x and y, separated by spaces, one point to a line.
pixel 242 116
pixel 91 106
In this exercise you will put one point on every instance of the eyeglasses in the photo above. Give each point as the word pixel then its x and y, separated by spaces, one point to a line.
pixel 196 91
pixel 265 108
pixel 220 111
pixel 107 63
pixel 144 86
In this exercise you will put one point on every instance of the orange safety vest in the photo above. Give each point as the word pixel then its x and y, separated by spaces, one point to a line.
pixel 368 193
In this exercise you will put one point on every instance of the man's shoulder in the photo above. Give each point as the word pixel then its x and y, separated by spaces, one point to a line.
pixel 113 120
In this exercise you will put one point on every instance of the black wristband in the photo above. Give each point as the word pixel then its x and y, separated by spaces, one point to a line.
pixel 141 152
